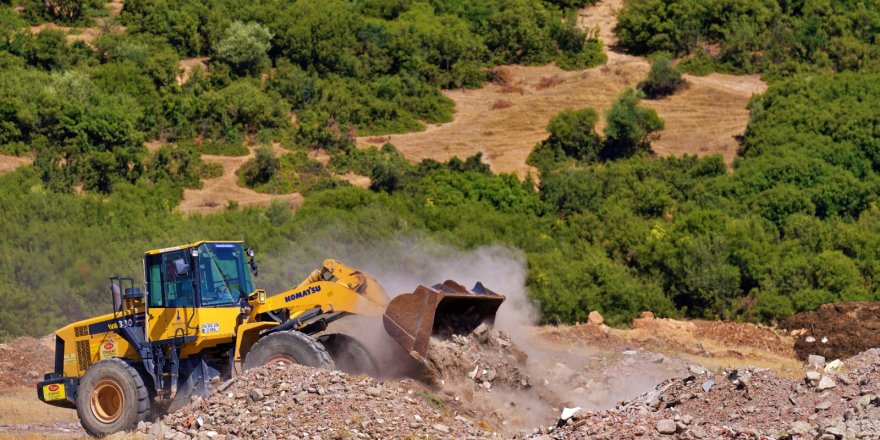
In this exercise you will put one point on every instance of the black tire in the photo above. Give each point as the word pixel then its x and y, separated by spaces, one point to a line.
pixel 288 346
pixel 111 397
pixel 349 354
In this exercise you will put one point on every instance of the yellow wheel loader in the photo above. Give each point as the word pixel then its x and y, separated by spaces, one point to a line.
pixel 200 318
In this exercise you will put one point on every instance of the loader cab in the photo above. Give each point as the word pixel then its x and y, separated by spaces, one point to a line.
pixel 205 274
pixel 196 289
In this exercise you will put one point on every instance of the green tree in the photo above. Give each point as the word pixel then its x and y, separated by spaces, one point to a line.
pixel 630 126
pixel 244 46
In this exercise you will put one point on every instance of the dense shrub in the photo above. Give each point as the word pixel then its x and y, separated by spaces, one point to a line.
pixel 663 79
pixel 630 127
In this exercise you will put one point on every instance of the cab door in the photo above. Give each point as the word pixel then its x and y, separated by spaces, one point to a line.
pixel 172 296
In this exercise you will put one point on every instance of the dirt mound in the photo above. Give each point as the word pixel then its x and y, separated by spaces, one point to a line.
pixel 302 402
pixel 23 361
pixel 718 344
pixel 747 403
pixel 836 331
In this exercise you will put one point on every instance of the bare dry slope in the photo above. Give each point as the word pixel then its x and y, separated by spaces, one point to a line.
pixel 704 119
pixel 217 192
pixel 10 163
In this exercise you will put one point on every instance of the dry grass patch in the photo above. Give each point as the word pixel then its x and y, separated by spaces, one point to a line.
pixel 501 103
pixel 547 82
pixel 22 406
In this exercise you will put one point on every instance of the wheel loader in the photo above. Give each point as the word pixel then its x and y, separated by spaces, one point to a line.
pixel 200 319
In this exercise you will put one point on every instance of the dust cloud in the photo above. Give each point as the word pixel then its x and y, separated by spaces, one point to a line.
pixel 560 376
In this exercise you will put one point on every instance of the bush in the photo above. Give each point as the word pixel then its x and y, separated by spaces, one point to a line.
pixel 663 79
pixel 630 126
pixel 260 169
pixel 572 136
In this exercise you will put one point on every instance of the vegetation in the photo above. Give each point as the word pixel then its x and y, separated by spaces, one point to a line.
pixel 663 78
pixel 756 35
pixel 795 224
pixel 573 138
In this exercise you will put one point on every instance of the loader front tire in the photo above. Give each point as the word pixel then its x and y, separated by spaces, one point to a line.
pixel 349 354
pixel 291 347
pixel 111 397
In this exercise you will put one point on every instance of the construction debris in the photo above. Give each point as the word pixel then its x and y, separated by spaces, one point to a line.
pixel 746 404
pixel 298 402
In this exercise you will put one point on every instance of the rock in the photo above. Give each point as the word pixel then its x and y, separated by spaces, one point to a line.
pixel 667 426
pixel 481 329
pixel 696 370
pixel 823 405
pixel 800 427
pixel 567 413
pixel 810 339
pixel 833 366
pixel 595 318
pixel 816 361
pixel 825 383
pixel 157 429
pixel 833 430
pixel 813 376
pixel 687 419
pixel 491 375
pixel 373 391
pixel 441 427
pixel 225 385
pixel 646 315
pixel 707 385
pixel 257 395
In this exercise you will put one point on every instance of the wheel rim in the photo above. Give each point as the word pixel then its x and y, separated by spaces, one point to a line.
pixel 284 359
pixel 107 401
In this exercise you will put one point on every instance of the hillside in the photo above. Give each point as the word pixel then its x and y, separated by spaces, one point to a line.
pixel 504 121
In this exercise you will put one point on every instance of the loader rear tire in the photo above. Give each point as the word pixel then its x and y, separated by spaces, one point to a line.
pixel 290 347
pixel 111 397
pixel 349 354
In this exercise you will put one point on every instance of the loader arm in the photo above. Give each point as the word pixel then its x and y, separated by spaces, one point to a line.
pixel 333 288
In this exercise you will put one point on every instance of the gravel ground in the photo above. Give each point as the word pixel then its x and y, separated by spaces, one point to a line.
pixel 826 404
pixel 298 402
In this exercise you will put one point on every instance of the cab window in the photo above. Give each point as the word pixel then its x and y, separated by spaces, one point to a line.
pixel 177 279
pixel 223 275
pixel 154 281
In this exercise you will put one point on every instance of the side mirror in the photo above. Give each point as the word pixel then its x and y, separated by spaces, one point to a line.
pixel 252 262
pixel 181 268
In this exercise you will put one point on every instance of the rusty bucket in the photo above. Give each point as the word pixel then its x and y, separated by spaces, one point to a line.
pixel 411 318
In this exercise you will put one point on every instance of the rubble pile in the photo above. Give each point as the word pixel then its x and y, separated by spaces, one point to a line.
pixel 832 401
pixel 485 356
pixel 24 360
pixel 298 402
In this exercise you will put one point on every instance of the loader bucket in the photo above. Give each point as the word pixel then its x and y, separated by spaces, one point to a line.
pixel 411 318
